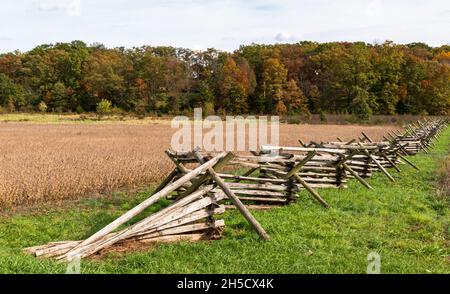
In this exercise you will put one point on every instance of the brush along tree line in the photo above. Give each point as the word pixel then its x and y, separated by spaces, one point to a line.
pixel 204 185
pixel 306 77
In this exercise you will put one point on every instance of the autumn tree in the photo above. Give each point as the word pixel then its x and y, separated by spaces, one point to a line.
pixel 256 56
pixel 435 89
pixel 293 98
pixel 388 61
pixel 234 86
pixel 103 78
pixel 272 84
pixel 57 98
pixel 443 57
pixel 12 96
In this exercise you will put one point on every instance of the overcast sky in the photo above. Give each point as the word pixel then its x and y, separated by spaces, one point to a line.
pixel 223 24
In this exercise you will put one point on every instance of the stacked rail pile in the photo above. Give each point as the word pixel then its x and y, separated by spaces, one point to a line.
pixel 418 136
pixel 322 170
pixel 190 218
pixel 365 158
pixel 250 184
pixel 328 168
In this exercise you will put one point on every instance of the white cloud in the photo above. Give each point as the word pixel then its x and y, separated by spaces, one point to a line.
pixel 287 37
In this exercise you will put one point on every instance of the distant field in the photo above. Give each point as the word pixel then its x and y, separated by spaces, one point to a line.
pixel 44 162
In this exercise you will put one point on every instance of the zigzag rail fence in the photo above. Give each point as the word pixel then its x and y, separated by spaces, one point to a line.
pixel 204 185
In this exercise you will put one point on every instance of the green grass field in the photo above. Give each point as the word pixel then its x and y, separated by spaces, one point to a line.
pixel 406 222
pixel 79 119
pixel 92 118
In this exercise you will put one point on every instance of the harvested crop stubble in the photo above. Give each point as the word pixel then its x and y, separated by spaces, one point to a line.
pixel 66 161
pixel 54 162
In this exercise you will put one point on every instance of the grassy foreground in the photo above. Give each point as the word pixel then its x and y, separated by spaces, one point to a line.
pixel 406 222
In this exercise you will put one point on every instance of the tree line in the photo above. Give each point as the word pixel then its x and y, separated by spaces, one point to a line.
pixel 306 77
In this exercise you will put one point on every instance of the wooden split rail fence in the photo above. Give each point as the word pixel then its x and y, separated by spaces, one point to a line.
pixel 203 185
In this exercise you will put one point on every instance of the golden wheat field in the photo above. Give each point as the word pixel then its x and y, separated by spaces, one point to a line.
pixel 42 162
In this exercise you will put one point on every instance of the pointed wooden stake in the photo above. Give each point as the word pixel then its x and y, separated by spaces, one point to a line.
pixel 367 137
pixel 241 207
pixel 298 166
pixel 311 191
pixel 407 161
pixel 379 165
pixel 357 176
